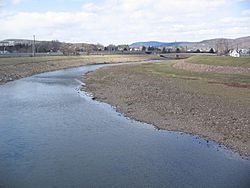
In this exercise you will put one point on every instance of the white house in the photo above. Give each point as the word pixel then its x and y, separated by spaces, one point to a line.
pixel 138 48
pixel 234 53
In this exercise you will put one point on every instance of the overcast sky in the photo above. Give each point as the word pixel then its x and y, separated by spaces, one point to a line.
pixel 124 21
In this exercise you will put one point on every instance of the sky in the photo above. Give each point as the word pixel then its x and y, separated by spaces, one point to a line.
pixel 124 21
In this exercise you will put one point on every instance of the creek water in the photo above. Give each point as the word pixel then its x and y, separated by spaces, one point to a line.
pixel 53 135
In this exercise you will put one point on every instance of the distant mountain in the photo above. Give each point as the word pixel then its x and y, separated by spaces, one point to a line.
pixel 156 44
pixel 20 41
pixel 243 42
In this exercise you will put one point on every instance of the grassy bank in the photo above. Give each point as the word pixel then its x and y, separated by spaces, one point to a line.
pixel 18 67
pixel 212 105
pixel 21 60
pixel 214 84
pixel 24 60
pixel 166 69
pixel 221 60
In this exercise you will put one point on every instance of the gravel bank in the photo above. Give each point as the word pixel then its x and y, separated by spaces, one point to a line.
pixel 172 104
pixel 10 72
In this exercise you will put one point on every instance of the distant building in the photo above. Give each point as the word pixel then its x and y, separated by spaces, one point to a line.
pixel 13 42
pixel 244 52
pixel 165 49
pixel 234 53
pixel 4 52
pixel 7 43
pixel 138 48
pixel 239 52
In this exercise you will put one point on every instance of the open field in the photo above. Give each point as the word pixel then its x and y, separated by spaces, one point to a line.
pixel 167 69
pixel 213 105
pixel 22 60
pixel 14 68
pixel 25 60
pixel 220 60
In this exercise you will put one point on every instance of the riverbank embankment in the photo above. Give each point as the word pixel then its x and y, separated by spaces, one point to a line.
pixel 213 105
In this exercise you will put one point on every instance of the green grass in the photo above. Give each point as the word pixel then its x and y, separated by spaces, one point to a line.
pixel 21 60
pixel 166 69
pixel 25 60
pixel 211 84
pixel 220 60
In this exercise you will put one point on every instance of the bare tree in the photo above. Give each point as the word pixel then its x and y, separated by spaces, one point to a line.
pixel 222 47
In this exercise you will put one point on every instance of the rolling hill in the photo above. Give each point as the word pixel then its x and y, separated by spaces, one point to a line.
pixel 243 42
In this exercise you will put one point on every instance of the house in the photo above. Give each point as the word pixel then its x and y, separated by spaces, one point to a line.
pixel 234 53
pixel 6 43
pixel 138 48
pixel 4 52
pixel 239 52
pixel 244 52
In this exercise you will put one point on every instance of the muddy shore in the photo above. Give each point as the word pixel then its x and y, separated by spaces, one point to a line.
pixel 10 72
pixel 169 103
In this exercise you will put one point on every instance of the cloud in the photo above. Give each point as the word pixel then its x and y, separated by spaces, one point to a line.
pixel 1 4
pixel 126 21
pixel 246 12
pixel 48 24
pixel 13 2
pixel 16 2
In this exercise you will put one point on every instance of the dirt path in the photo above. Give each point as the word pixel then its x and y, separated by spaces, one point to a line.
pixel 211 68
pixel 175 104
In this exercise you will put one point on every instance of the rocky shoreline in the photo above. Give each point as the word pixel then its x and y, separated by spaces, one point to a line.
pixel 168 103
